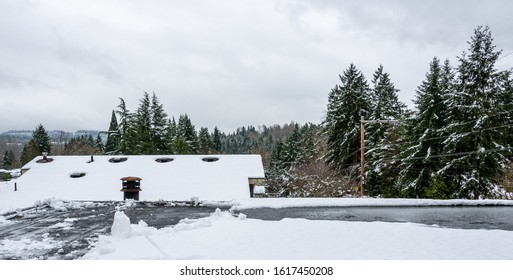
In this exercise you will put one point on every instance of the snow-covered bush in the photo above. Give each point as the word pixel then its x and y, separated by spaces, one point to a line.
pixel 506 182
pixel 314 179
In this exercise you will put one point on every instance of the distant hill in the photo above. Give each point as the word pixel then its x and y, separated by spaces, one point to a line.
pixel 58 136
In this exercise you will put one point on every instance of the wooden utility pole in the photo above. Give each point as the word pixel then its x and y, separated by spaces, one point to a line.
pixel 362 154
pixel 362 148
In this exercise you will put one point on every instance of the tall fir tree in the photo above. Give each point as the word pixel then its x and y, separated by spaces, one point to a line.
pixel 204 141
pixel 385 105
pixel 292 151
pixel 113 135
pixel 127 131
pixel 425 135
pixel 171 136
pixel 216 141
pixel 187 133
pixel 308 142
pixel 381 168
pixel 346 104
pixel 159 122
pixel 143 119
pixel 475 149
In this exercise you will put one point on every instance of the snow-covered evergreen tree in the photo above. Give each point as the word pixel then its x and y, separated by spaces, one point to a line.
pixel 216 141
pixel 39 143
pixel 475 150
pixel 187 133
pixel 292 153
pixel 127 130
pixel 98 143
pixel 8 159
pixel 424 137
pixel 308 142
pixel 113 135
pixel 204 141
pixel 381 169
pixel 142 123
pixel 159 122
pixel 171 136
pixel 346 104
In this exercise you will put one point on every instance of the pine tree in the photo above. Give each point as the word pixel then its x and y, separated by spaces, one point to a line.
pixel 425 134
pixel 128 134
pixel 308 142
pixel 42 140
pixel 381 169
pixel 181 147
pixel 277 162
pixel 293 152
pixel 216 141
pixel 8 159
pixel 385 105
pixel 346 104
pixel 187 132
pixel 113 135
pixel 204 142
pixel 171 136
pixel 37 145
pixel 143 128
pixel 98 143
pixel 475 149
pixel 159 121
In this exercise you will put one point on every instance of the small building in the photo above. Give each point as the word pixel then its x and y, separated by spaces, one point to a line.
pixel 166 177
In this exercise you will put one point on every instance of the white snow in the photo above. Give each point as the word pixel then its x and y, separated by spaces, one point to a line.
pixel 223 236
pixel 4 221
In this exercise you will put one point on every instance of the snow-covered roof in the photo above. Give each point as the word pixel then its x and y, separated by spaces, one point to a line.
pixel 166 177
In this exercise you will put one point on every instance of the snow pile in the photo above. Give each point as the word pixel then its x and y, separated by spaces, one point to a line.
pixel 226 237
pixel 121 228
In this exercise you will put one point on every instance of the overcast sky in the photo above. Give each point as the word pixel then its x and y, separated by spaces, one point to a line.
pixel 225 63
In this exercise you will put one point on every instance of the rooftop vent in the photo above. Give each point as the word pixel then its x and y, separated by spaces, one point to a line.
pixel 77 174
pixel 118 159
pixel 164 159
pixel 210 159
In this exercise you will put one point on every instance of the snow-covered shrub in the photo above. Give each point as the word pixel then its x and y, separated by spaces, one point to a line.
pixel 314 179
pixel 506 182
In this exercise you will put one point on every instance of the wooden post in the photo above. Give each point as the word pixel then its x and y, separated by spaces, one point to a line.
pixel 362 149
pixel 362 155
pixel 15 187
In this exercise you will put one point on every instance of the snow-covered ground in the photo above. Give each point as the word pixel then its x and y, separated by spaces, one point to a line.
pixel 223 236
